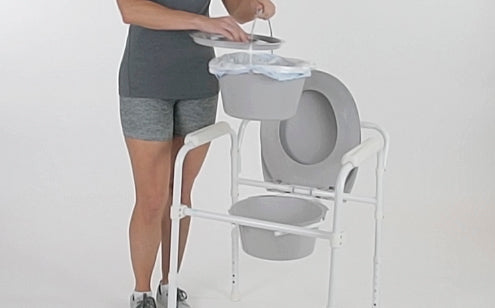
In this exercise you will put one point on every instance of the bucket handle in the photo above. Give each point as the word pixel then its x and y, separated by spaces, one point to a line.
pixel 311 226
pixel 254 25
pixel 257 16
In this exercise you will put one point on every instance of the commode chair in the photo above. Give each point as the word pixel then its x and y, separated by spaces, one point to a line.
pixel 312 156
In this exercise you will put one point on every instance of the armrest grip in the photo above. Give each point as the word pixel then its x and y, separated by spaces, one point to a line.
pixel 362 152
pixel 207 134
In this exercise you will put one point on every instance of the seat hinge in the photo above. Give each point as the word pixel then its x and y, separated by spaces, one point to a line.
pixel 302 190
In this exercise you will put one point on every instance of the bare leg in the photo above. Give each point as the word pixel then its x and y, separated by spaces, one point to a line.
pixel 151 169
pixel 192 164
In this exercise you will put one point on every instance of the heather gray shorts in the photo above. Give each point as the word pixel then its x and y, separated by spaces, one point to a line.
pixel 161 119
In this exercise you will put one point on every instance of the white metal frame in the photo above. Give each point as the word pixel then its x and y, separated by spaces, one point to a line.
pixel 374 146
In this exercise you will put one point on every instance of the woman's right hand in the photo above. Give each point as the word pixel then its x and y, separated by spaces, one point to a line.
pixel 226 26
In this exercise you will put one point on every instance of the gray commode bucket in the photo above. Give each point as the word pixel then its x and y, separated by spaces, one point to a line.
pixel 260 86
pixel 266 244
pixel 258 97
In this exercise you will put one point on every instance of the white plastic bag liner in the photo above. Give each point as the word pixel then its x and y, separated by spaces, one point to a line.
pixel 268 89
pixel 270 65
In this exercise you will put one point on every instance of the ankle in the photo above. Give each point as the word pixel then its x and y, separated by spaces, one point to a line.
pixel 142 289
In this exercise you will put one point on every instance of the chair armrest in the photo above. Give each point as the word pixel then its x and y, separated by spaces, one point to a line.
pixel 386 139
pixel 362 152
pixel 207 134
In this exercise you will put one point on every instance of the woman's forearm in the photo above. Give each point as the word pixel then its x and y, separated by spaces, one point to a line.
pixel 152 15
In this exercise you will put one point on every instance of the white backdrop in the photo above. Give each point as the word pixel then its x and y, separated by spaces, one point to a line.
pixel 424 70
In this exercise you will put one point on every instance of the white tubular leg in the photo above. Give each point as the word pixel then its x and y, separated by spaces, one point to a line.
pixel 235 165
pixel 337 229
pixel 177 210
pixel 173 271
pixel 175 216
pixel 381 166
pixel 378 229
pixel 376 265
pixel 234 194
pixel 235 294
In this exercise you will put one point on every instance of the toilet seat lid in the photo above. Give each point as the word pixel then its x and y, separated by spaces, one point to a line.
pixel 307 148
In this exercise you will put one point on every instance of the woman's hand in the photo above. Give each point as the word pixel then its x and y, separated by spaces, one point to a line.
pixel 226 26
pixel 265 9
pixel 247 10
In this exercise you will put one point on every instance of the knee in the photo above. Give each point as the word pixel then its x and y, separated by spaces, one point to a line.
pixel 151 206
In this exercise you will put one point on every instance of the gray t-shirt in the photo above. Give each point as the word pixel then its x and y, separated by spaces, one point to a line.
pixel 167 64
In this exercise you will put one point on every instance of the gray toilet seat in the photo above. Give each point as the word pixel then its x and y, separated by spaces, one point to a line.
pixel 307 148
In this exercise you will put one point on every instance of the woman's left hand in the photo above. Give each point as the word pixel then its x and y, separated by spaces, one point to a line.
pixel 265 9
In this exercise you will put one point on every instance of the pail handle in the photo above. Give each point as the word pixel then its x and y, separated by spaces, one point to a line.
pixel 258 13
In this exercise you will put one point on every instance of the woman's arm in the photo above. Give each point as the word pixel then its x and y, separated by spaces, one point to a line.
pixel 152 15
pixel 246 10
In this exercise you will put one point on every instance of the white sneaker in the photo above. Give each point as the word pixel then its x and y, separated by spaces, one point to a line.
pixel 162 297
pixel 145 301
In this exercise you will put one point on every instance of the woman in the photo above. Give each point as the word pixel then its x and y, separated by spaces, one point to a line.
pixel 166 92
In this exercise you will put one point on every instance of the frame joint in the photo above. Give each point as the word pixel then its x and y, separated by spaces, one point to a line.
pixel 177 212
pixel 337 240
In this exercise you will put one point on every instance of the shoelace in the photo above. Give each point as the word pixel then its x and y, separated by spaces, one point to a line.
pixel 146 302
